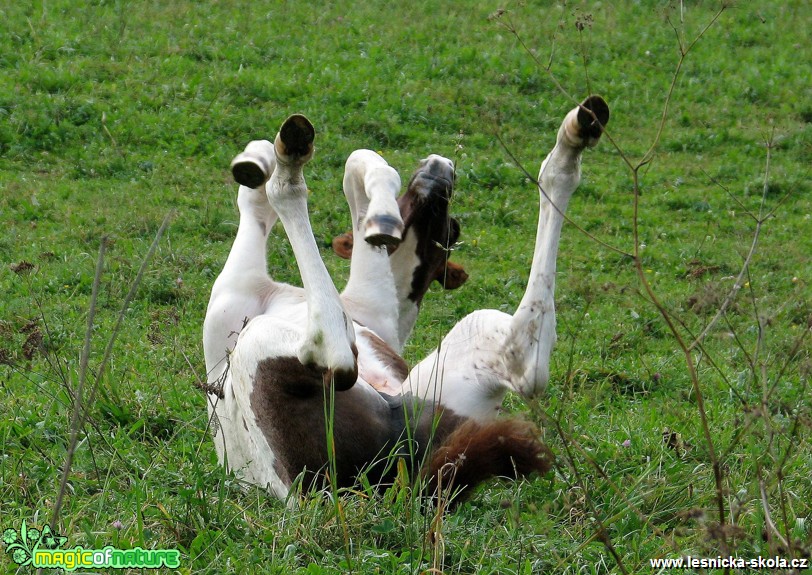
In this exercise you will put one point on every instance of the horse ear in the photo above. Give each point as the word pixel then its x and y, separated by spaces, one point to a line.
pixel 451 275
pixel 342 245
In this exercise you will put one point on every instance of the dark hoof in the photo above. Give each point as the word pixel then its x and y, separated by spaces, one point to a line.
pixel 248 172
pixel 297 135
pixel 590 128
pixel 383 231
pixel 341 380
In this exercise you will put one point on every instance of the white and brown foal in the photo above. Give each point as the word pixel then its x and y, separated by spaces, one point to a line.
pixel 286 364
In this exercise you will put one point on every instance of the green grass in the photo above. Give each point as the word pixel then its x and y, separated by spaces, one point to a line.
pixel 114 114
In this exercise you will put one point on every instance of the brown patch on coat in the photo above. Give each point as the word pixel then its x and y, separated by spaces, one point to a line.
pixel 290 400
pixel 387 356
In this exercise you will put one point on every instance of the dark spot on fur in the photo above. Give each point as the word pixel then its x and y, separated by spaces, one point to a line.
pixel 387 356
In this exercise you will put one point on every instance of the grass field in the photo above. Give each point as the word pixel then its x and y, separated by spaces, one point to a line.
pixel 116 114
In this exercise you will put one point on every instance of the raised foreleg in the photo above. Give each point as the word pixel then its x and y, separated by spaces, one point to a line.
pixel 372 187
pixel 422 213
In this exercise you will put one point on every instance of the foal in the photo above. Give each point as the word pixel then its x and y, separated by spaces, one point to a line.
pixel 293 363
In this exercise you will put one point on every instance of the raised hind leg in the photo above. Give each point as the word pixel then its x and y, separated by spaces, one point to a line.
pixel 490 352
pixel 304 327
pixel 242 289
pixel 242 292
pixel 532 332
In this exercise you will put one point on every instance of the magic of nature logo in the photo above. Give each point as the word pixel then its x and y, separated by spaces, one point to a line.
pixel 41 549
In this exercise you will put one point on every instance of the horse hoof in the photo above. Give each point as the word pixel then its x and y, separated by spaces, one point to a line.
pixel 253 166
pixel 383 231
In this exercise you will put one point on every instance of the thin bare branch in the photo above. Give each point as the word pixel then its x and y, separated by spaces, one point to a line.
pixel 765 505
pixel 504 20
pixel 736 200
pixel 684 51
pixel 731 295
pixel 796 349
pixel 108 350
pixel 76 417
pixel 533 179
pixel 81 408
pixel 601 534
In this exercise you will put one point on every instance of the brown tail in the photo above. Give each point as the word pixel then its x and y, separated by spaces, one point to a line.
pixel 475 452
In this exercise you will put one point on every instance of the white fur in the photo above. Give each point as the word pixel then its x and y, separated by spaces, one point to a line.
pixel 490 352
pixel 371 187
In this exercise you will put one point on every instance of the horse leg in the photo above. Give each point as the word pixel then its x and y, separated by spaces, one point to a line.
pixel 371 187
pixel 531 337
pixel 241 289
pixel 329 339
pixel 490 352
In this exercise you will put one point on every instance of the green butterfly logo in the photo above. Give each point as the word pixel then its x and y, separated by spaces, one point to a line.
pixel 22 544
